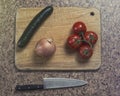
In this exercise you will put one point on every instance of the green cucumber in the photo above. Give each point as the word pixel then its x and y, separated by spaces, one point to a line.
pixel 34 25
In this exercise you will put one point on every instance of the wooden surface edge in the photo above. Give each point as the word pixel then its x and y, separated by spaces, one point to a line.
pixel 66 69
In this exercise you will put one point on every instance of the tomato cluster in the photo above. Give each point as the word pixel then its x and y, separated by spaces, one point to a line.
pixel 82 40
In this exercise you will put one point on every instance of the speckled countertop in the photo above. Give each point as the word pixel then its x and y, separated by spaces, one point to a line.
pixel 103 82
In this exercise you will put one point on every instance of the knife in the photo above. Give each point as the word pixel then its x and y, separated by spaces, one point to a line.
pixel 52 83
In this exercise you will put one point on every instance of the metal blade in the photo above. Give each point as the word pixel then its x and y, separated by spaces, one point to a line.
pixel 50 83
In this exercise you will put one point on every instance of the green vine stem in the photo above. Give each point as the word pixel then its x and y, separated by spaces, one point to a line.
pixel 86 42
pixel 82 34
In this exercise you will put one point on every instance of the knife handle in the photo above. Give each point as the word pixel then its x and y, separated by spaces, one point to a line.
pixel 28 87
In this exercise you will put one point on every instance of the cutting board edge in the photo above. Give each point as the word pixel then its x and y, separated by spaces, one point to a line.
pixel 79 69
pixel 23 8
pixel 57 69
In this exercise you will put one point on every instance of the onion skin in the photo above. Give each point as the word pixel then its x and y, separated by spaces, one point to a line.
pixel 45 47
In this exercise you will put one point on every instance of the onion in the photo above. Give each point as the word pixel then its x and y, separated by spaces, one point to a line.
pixel 45 47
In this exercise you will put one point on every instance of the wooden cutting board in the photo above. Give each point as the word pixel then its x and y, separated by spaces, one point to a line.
pixel 57 26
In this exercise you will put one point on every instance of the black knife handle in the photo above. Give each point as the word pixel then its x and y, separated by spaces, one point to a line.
pixel 28 87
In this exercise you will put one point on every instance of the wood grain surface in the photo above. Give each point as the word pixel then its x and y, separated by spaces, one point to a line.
pixel 58 27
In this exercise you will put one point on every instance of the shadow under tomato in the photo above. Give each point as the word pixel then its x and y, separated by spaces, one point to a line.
pixel 80 60
pixel 68 50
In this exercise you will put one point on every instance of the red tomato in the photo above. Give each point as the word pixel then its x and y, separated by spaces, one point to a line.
pixel 74 41
pixel 91 37
pixel 85 51
pixel 79 28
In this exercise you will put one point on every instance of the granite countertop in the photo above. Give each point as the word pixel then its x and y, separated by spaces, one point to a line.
pixel 103 82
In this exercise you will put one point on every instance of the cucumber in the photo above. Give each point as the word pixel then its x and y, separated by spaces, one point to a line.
pixel 34 25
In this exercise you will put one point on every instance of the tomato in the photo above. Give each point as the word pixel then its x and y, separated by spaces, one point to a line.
pixel 85 51
pixel 74 41
pixel 91 37
pixel 79 28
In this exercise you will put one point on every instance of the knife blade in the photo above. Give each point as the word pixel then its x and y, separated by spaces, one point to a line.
pixel 52 83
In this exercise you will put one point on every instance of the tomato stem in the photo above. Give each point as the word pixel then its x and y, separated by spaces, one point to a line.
pixel 83 36
pixel 91 38
pixel 91 46
pixel 86 40
pixel 78 41
pixel 85 52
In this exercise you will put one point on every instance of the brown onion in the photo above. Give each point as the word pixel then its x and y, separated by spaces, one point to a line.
pixel 45 47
